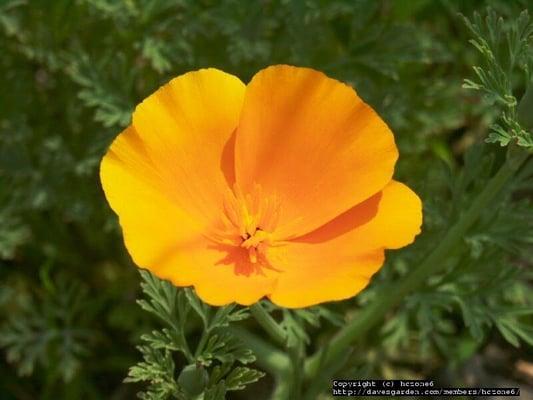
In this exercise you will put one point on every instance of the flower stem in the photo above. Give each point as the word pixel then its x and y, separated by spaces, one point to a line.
pixel 282 389
pixel 269 324
pixel 395 292
pixel 268 358
pixel 296 358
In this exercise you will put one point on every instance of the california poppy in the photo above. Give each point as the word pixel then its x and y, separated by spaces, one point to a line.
pixel 280 188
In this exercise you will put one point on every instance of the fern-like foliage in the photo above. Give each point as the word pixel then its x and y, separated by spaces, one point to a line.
pixel 506 46
pixel 485 288
pixel 211 368
pixel 49 329
pixel 484 291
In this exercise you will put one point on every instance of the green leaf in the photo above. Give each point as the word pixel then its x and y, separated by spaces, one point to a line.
pixel 505 47
pixel 242 376
pixel 217 392
pixel 215 356
pixel 201 309
pixel 226 349
pixel 50 329
pixel 158 369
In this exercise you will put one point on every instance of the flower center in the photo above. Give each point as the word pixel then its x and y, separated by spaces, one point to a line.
pixel 248 221
pixel 255 243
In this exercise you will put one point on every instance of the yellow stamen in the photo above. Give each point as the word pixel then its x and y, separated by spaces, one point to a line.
pixel 252 253
pixel 247 221
pixel 254 240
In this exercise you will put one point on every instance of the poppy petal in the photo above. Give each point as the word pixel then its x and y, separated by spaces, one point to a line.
pixel 389 219
pixel 220 274
pixel 165 239
pixel 337 260
pixel 186 127
pixel 312 278
pixel 151 221
pixel 164 175
pixel 312 142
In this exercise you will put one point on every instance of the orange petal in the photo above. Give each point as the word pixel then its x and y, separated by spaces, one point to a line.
pixel 390 219
pixel 152 222
pixel 312 142
pixel 164 177
pixel 168 241
pixel 220 274
pixel 337 260
pixel 316 273
pixel 186 128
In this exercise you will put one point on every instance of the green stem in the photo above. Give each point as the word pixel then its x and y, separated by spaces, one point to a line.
pixel 201 344
pixel 268 357
pixel 295 354
pixel 394 293
pixel 282 389
pixel 317 385
pixel 186 349
pixel 269 324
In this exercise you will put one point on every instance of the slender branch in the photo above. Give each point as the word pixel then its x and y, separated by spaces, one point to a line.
pixel 201 344
pixel 269 324
pixel 394 293
pixel 319 382
pixel 175 326
pixel 282 389
pixel 296 357
pixel 268 357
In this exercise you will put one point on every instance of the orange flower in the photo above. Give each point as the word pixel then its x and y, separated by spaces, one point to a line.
pixel 281 188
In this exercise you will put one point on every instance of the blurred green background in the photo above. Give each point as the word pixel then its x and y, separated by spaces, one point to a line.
pixel 71 72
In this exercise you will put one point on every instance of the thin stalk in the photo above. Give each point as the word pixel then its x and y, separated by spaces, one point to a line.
pixel 295 355
pixel 319 382
pixel 282 389
pixel 269 324
pixel 371 315
pixel 201 343
pixel 186 349
pixel 268 357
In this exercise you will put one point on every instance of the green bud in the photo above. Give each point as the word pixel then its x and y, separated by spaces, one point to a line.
pixel 525 109
pixel 193 379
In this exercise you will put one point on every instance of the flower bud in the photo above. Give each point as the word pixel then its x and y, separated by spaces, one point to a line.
pixel 193 379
